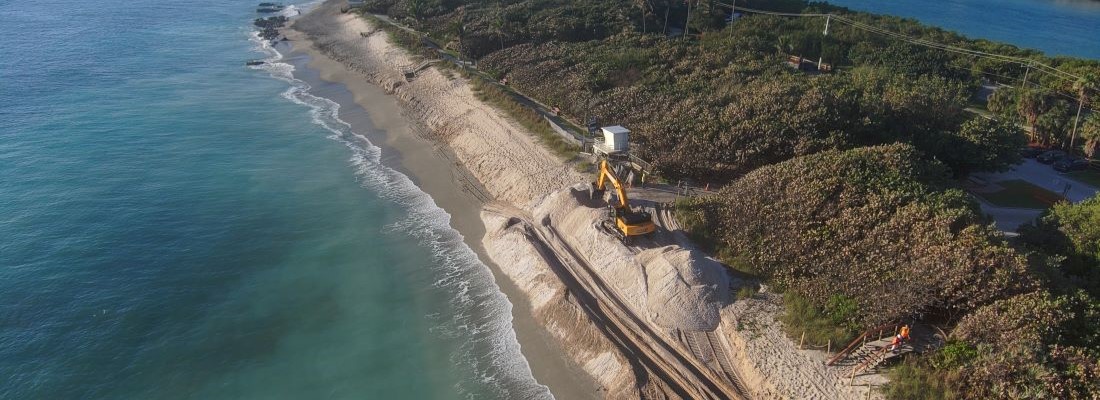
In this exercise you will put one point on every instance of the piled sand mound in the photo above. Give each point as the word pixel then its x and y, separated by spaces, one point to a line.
pixel 685 289
pixel 510 245
pixel 576 219
pixel 674 287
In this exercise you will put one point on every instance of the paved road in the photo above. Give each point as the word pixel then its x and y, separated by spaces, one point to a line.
pixel 1044 176
pixel 1036 173
pixel 1009 219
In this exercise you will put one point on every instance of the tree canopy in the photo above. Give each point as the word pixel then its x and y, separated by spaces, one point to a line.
pixel 863 223
pixel 694 105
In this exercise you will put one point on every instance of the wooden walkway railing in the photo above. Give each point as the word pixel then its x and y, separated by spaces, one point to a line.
pixel 861 340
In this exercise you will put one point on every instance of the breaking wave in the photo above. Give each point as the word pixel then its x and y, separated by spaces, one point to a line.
pixel 480 314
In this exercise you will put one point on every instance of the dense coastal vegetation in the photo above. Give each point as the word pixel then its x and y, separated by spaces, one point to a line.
pixel 839 185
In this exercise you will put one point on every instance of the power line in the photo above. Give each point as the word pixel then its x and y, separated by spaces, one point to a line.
pixel 923 42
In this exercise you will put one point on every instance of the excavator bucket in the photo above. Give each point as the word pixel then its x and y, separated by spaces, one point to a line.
pixel 593 192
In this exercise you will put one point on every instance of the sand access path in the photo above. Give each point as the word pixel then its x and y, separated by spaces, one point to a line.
pixel 643 323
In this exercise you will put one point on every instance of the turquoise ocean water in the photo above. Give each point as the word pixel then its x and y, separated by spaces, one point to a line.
pixel 176 225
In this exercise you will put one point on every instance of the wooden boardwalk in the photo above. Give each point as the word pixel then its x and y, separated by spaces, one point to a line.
pixel 874 351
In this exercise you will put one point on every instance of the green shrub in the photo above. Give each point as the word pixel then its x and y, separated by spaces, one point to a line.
pixel 865 234
pixel 746 292
pixel 912 380
pixel 843 311
pixel 802 316
pixel 954 355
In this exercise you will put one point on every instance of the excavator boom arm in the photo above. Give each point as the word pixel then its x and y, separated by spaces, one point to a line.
pixel 607 175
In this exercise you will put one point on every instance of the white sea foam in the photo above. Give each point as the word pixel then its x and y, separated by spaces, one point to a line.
pixel 481 314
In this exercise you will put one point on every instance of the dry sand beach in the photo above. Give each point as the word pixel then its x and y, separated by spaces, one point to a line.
pixel 595 318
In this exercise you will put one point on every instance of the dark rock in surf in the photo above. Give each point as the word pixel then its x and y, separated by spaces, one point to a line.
pixel 254 63
pixel 269 27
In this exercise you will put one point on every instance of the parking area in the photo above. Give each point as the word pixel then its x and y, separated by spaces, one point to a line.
pixel 1044 176
pixel 1035 173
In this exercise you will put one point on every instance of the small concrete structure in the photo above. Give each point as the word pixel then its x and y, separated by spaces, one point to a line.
pixel 615 141
pixel 616 138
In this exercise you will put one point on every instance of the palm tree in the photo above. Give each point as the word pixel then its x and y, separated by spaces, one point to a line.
pixel 687 20
pixel 643 6
pixel 1090 131
pixel 785 45
pixel 1083 87
pixel 414 8
pixel 1030 105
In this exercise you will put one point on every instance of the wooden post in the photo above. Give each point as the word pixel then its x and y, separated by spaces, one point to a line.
pixel 829 347
pixel 869 388
pixel 802 340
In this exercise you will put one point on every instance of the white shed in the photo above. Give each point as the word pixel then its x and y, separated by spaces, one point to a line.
pixel 616 139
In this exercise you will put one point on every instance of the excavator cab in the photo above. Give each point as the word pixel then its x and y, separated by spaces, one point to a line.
pixel 622 221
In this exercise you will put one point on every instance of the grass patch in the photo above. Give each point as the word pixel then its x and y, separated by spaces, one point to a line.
pixel 505 101
pixel 409 41
pixel 1021 194
pixel 584 167
pixel 745 292
pixel 913 380
pixel 821 326
pixel 1089 177
pixel 691 214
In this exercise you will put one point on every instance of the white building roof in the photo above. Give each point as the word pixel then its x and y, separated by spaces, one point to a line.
pixel 615 129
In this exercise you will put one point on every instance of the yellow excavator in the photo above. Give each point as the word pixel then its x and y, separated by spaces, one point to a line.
pixel 622 221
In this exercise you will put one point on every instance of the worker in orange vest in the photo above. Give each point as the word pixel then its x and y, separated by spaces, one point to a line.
pixel 895 343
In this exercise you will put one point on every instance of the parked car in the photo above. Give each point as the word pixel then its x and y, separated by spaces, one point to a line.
pixel 1068 164
pixel 1051 156
pixel 1031 152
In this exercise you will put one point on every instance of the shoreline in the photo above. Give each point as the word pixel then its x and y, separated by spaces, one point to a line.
pixel 585 324
pixel 432 167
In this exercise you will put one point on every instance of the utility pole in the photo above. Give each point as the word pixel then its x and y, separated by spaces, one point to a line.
pixel 821 56
pixel 665 27
pixel 1073 136
pixel 1026 72
pixel 733 16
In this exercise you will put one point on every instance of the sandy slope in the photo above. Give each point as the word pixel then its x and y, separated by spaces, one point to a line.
pixel 771 363
pixel 524 179
pixel 508 162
